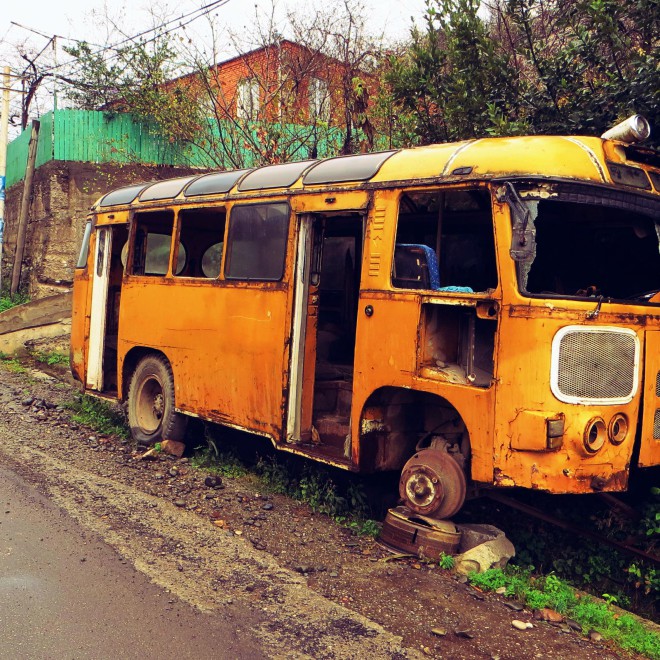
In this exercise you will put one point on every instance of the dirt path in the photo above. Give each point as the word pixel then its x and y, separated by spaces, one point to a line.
pixel 315 590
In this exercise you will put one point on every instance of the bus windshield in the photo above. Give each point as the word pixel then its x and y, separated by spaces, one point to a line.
pixel 586 242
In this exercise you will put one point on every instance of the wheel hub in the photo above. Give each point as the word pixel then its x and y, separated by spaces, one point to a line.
pixel 423 487
pixel 150 405
pixel 159 406
pixel 433 484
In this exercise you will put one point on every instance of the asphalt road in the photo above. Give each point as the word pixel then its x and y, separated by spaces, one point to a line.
pixel 65 594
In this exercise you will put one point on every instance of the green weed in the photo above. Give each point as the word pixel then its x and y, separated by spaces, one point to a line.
pixel 550 591
pixel 446 561
pixel 99 415
pixel 208 456
pixel 346 502
pixel 7 301
pixel 360 526
pixel 51 358
pixel 226 464
pixel 12 364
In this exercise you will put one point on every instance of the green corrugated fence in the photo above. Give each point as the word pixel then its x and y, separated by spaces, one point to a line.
pixel 100 137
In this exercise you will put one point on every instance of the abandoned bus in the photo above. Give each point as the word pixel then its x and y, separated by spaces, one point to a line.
pixel 479 313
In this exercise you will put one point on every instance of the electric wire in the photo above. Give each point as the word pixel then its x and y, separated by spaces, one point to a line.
pixel 200 12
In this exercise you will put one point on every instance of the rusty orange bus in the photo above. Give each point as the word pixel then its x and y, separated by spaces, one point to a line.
pixel 484 312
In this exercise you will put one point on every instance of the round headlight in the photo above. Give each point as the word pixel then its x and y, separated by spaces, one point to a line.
pixel 595 434
pixel 618 429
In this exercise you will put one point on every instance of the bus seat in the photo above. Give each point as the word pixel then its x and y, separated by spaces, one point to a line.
pixel 415 267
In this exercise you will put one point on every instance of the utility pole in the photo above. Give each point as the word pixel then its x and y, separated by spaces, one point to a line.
pixel 4 134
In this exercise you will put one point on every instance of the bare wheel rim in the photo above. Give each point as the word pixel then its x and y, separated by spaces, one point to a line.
pixel 150 405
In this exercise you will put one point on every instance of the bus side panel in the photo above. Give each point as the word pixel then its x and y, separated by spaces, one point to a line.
pixel 386 356
pixel 80 317
pixel 226 344
pixel 649 453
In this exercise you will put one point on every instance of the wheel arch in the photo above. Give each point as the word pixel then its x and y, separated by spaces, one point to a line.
pixel 130 362
pixel 394 420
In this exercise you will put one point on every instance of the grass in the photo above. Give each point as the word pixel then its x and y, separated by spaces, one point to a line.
pixel 7 301
pixel 552 592
pixel 12 364
pixel 99 416
pixel 633 584
pixel 51 358
pixel 325 490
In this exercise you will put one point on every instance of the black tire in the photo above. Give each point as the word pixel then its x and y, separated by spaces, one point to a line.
pixel 151 413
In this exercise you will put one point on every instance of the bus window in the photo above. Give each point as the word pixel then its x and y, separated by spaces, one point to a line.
pixel 84 248
pixel 445 242
pixel 201 235
pixel 256 243
pixel 151 246
pixel 571 241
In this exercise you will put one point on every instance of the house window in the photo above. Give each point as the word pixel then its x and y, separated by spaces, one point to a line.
pixel 319 99
pixel 247 102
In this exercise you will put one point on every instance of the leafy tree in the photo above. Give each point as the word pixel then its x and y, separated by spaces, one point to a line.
pixel 536 66
pixel 198 110
pixel 454 80
pixel 592 62
pixel 138 77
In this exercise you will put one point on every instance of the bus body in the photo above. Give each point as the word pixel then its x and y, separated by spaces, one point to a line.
pixel 482 312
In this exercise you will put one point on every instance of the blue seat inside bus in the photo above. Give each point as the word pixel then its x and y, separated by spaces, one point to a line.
pixel 415 267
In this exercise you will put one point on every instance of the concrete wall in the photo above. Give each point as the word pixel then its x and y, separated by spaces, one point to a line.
pixel 62 195
pixel 43 324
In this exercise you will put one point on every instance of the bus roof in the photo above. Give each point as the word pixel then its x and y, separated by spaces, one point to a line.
pixel 580 158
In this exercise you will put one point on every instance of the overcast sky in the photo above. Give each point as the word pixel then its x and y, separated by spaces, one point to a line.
pixel 73 18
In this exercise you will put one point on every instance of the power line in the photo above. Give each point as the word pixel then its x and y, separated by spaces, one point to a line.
pixel 41 34
pixel 48 36
pixel 201 11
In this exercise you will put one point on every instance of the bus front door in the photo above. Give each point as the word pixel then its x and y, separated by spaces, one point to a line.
pixel 323 341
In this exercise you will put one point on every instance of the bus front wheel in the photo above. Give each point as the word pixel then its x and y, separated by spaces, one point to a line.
pixel 151 413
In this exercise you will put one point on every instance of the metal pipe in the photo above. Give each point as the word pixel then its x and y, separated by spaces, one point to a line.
pixel 570 527
pixel 4 133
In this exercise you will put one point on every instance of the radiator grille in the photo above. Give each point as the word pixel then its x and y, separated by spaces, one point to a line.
pixel 656 425
pixel 657 384
pixel 596 365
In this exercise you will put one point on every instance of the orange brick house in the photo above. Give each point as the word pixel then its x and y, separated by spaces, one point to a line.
pixel 285 82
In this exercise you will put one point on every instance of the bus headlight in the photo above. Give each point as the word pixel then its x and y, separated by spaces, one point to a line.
pixel 595 435
pixel 618 429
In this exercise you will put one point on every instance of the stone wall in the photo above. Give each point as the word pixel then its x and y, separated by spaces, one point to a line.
pixel 62 195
